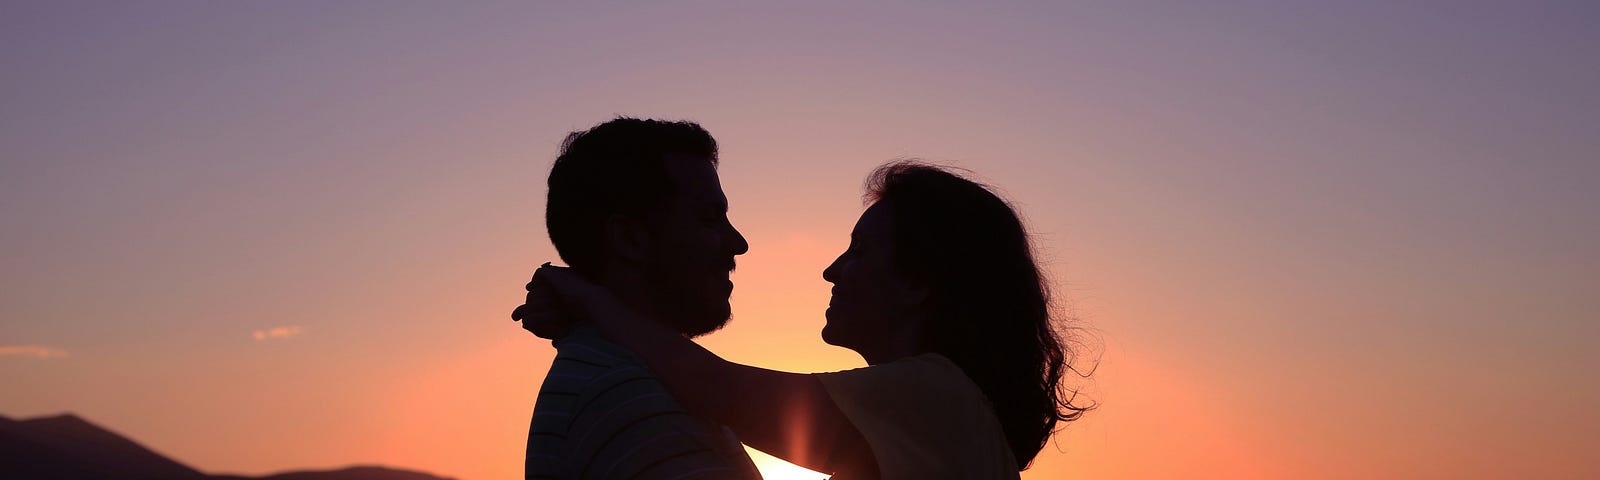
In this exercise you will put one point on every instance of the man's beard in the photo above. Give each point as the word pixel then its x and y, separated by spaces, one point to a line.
pixel 682 307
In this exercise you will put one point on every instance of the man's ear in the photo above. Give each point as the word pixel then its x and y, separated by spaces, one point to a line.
pixel 628 238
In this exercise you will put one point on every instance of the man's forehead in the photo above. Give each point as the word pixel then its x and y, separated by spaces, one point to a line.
pixel 694 177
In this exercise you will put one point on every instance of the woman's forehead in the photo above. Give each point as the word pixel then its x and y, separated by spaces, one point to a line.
pixel 873 221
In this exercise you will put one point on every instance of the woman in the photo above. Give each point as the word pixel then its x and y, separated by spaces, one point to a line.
pixel 939 293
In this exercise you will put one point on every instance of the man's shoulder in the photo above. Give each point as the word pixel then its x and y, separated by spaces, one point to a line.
pixel 585 361
pixel 601 413
pixel 584 343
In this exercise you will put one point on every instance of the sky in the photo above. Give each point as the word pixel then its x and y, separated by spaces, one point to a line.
pixel 1314 240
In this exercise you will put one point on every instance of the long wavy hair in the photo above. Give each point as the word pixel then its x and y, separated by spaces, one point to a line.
pixel 989 304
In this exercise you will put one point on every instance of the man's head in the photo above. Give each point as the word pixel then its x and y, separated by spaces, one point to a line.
pixel 636 204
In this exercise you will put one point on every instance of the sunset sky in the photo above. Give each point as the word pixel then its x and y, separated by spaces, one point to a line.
pixel 1308 240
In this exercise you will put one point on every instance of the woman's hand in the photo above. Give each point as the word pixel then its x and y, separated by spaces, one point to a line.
pixel 542 312
pixel 558 298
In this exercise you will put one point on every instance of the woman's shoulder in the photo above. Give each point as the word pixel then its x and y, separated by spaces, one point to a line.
pixel 922 415
pixel 924 374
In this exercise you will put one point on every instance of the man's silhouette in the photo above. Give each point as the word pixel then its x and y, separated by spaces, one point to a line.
pixel 636 206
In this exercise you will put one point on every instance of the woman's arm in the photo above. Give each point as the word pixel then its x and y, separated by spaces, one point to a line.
pixel 789 415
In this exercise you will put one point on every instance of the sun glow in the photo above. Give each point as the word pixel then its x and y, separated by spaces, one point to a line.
pixel 773 468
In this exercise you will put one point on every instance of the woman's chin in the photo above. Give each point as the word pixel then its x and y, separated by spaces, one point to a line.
pixel 828 336
pixel 832 336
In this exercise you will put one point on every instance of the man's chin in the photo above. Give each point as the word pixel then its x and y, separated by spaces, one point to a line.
pixel 701 328
pixel 701 323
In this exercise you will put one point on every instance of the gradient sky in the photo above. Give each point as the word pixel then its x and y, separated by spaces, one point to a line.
pixel 1314 240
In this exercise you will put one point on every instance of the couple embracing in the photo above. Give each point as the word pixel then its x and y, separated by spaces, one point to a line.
pixel 938 291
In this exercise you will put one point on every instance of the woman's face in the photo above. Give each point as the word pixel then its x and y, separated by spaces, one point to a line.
pixel 871 302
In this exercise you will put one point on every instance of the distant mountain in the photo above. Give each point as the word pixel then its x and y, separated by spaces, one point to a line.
pixel 351 473
pixel 66 447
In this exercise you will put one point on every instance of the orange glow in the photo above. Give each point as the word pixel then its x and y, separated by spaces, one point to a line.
pixel 1319 242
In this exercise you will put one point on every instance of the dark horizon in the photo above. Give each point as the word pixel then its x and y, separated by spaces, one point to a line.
pixel 66 446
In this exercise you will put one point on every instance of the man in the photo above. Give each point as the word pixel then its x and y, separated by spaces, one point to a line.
pixel 636 206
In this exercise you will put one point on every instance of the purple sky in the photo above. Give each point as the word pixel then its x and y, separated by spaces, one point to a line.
pixel 1339 240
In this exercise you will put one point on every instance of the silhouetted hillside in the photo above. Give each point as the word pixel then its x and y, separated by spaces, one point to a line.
pixel 351 473
pixel 66 447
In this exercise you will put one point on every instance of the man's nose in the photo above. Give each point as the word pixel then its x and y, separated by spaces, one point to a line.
pixel 740 245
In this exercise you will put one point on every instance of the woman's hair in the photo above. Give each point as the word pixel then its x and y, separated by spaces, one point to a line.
pixel 988 304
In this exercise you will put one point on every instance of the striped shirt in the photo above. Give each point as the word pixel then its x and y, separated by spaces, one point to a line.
pixel 601 414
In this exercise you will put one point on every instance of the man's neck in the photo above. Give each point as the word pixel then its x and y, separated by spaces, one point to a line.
pixel 634 291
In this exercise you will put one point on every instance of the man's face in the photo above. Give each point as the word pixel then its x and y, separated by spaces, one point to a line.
pixel 695 246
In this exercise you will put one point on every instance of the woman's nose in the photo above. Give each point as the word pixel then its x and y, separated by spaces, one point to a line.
pixel 831 274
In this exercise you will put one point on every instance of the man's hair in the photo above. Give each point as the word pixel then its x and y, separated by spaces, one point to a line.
pixel 617 167
pixel 989 302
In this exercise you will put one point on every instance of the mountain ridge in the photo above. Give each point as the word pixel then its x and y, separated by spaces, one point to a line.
pixel 68 447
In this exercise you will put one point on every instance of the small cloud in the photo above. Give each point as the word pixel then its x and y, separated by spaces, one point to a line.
pixel 35 351
pixel 277 332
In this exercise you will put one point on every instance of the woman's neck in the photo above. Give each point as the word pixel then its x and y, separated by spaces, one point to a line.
pixel 907 342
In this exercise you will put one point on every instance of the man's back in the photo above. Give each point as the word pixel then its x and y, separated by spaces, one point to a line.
pixel 602 414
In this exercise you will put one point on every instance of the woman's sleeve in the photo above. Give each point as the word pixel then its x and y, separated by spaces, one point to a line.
pixel 922 418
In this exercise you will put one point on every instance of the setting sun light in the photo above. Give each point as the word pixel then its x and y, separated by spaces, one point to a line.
pixel 773 468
